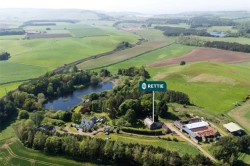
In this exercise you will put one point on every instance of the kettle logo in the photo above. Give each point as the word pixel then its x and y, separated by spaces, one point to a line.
pixel 144 86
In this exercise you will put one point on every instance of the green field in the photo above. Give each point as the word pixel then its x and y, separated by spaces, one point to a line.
pixel 180 25
pixel 155 40
pixel 10 71
pixel 32 58
pixel 213 86
pixel 8 87
pixel 245 64
pixel 88 32
pixel 157 55
pixel 180 147
pixel 241 40
pixel 242 115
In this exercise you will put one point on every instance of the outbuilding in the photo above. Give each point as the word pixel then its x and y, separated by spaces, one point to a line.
pixel 234 128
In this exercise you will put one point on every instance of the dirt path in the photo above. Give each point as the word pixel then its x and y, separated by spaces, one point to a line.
pixel 171 127
pixel 32 161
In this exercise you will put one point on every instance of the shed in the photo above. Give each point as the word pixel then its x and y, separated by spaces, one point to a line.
pixel 152 125
pixel 233 128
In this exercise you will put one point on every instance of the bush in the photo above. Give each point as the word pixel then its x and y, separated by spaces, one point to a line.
pixel 182 63
pixel 23 115
pixel 142 131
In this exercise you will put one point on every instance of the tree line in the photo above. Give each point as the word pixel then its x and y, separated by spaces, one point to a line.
pixel 204 21
pixel 82 148
pixel 175 31
pixel 228 149
pixel 6 32
pixel 195 41
pixel 228 46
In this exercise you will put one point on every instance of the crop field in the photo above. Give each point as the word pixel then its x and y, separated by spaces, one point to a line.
pixel 181 147
pixel 213 86
pixel 152 44
pixel 207 54
pixel 242 115
pixel 167 52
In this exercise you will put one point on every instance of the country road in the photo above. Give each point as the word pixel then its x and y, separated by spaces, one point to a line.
pixel 172 128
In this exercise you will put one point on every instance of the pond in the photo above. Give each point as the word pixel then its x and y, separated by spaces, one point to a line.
pixel 69 101
pixel 217 34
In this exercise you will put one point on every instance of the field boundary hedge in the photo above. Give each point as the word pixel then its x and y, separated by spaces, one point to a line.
pixel 141 131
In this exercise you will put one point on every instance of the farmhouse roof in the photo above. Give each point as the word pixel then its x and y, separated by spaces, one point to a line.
pixel 197 125
pixel 232 127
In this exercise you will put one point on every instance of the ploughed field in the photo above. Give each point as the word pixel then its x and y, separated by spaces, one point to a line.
pixel 206 54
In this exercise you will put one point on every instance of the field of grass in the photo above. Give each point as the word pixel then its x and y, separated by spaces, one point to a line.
pixel 245 64
pixel 241 40
pixel 32 58
pixel 222 29
pixel 213 86
pixel 17 72
pixel 242 115
pixel 86 32
pixel 181 25
pixel 8 87
pixel 157 55
pixel 180 147
pixel 155 40
pixel 7 133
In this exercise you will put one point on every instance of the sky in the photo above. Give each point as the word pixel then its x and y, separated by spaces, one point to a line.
pixel 140 6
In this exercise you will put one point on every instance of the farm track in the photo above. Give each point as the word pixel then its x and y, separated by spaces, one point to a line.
pixel 32 161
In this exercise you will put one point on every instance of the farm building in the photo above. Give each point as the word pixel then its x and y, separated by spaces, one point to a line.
pixel 234 128
pixel 197 129
pixel 88 124
pixel 152 125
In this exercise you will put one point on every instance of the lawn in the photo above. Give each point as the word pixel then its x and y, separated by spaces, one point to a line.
pixel 213 86
pixel 180 147
pixel 157 55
